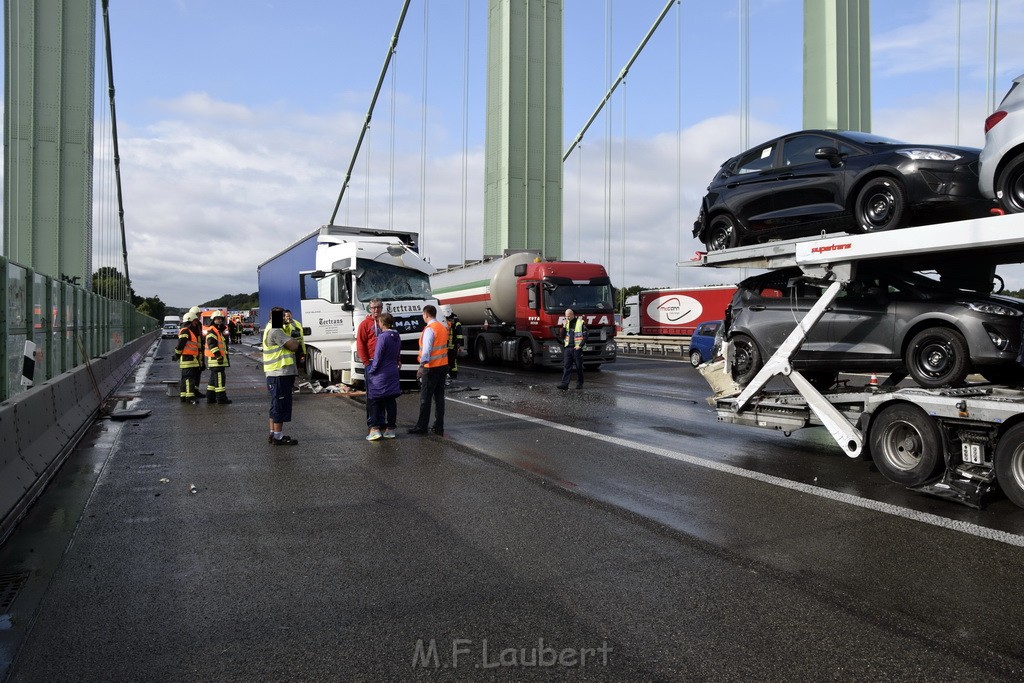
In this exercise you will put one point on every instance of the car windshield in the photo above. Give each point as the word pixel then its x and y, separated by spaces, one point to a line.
pixel 871 138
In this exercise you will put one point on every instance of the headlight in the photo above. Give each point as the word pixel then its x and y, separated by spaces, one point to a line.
pixel 928 155
pixel 609 347
pixel 991 309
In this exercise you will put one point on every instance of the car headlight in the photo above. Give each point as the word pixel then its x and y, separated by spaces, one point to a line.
pixel 991 309
pixel 928 154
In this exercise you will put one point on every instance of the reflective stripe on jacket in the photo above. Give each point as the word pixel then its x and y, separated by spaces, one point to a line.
pixel 439 349
pixel 275 357
pixel 577 333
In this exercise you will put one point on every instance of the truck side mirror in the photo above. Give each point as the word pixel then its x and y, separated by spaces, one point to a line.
pixel 347 307
pixel 531 297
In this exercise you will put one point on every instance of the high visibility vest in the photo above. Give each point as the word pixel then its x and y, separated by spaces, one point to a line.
pixel 454 334
pixel 294 330
pixel 439 351
pixel 276 356
pixel 216 351
pixel 577 333
pixel 190 354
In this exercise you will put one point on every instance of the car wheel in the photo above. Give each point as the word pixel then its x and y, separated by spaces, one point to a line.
pixel 937 357
pixel 746 359
pixel 881 205
pixel 1010 185
pixel 1009 464
pixel 695 358
pixel 906 446
pixel 722 233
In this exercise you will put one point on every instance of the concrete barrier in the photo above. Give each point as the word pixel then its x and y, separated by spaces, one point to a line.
pixel 41 426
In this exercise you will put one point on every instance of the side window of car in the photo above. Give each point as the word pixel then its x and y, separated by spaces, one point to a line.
pixel 800 149
pixel 708 330
pixel 756 160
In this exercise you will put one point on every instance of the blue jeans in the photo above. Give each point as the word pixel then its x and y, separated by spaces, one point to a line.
pixel 382 412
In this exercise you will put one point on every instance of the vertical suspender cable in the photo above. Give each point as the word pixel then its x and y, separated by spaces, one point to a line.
pixel 607 203
pixel 117 157
pixel 956 80
pixel 366 181
pixel 423 127
pixel 679 139
pixel 465 131
pixel 579 202
pixel 369 113
pixel 622 256
pixel 744 69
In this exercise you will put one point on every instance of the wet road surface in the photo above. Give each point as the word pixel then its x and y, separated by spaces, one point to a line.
pixel 586 522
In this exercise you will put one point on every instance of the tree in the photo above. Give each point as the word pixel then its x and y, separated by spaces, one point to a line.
pixel 153 307
pixel 110 282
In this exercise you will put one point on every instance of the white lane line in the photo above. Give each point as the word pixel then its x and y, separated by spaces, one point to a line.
pixel 886 508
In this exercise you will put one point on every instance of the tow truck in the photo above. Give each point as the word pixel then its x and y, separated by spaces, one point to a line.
pixel 958 443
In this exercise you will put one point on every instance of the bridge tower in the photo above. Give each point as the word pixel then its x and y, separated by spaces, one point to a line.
pixel 837 64
pixel 49 58
pixel 523 138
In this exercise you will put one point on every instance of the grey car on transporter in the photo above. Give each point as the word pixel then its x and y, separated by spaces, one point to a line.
pixel 816 181
pixel 886 319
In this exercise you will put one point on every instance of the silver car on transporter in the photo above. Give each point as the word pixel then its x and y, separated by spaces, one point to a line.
pixel 887 319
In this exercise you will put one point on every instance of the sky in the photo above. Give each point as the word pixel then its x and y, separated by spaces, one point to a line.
pixel 237 120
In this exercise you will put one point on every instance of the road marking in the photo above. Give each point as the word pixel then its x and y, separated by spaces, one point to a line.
pixel 885 508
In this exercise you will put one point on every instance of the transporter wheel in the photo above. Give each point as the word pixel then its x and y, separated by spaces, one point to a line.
pixel 1009 457
pixel 695 358
pixel 938 357
pixel 881 205
pixel 527 360
pixel 906 445
pixel 1010 185
pixel 722 233
pixel 746 359
pixel 480 350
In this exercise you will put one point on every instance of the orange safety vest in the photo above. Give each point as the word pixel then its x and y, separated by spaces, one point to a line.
pixel 190 353
pixel 216 356
pixel 439 351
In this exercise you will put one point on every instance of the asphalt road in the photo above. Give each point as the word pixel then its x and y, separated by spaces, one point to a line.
pixel 620 527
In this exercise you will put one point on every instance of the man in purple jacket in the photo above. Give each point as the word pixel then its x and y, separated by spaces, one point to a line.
pixel 382 384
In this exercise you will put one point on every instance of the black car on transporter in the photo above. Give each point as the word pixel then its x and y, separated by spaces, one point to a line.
pixel 886 319
pixel 818 181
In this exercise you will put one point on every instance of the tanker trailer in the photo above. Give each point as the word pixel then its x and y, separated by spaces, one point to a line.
pixel 512 307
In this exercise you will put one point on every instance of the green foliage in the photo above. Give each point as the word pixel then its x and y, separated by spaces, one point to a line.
pixel 110 282
pixel 234 302
pixel 152 306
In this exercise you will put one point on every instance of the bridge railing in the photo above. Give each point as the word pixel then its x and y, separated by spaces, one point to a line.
pixel 66 323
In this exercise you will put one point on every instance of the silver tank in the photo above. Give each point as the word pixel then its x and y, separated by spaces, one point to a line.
pixel 490 284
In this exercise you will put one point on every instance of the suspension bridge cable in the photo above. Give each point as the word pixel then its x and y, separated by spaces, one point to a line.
pixel 622 197
pixel 369 113
pixel 606 256
pixel 679 138
pixel 117 157
pixel 956 80
pixel 579 202
pixel 465 131
pixel 391 160
pixel 622 74
pixel 423 126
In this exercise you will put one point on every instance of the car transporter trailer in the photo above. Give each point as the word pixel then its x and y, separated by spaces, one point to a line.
pixel 957 443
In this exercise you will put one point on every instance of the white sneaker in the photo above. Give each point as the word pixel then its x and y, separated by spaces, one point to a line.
pixel 373 435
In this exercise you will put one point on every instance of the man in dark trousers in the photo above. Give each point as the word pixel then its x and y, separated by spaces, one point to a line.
pixel 432 371
pixel 189 355
pixel 574 334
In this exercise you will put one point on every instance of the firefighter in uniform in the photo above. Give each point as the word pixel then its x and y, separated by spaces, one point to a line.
pixel 217 360
pixel 454 342
pixel 188 354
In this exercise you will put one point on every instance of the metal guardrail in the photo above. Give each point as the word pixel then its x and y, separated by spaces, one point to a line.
pixel 67 324
pixel 653 345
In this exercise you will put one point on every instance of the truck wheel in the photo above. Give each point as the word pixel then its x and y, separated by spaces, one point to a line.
pixel 938 357
pixel 746 359
pixel 526 358
pixel 695 358
pixel 482 357
pixel 1009 457
pixel 881 205
pixel 906 446
pixel 1010 185
pixel 722 234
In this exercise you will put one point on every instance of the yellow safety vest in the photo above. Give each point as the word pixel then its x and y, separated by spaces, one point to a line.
pixel 578 333
pixel 275 357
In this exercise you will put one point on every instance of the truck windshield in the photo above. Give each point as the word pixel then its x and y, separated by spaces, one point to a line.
pixel 580 298
pixel 391 283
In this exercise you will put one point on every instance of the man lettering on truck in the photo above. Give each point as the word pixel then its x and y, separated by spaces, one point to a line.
pixel 574 333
